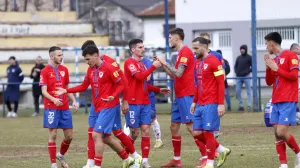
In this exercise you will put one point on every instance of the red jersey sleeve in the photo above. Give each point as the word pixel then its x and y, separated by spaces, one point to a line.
pixel 153 88
pixel 183 58
pixel 292 74
pixel 270 77
pixel 293 63
pixel 43 77
pixel 83 86
pixel 125 82
pixel 67 77
pixel 117 80
pixel 219 75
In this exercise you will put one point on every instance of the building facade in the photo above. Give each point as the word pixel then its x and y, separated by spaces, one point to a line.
pixel 229 23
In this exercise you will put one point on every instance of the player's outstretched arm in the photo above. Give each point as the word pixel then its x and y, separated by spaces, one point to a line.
pixel 74 103
pixel 177 72
pixel 172 71
pixel 143 75
pixel 79 88
pixel 45 93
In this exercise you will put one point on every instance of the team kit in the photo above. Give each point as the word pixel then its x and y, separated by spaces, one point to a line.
pixel 198 76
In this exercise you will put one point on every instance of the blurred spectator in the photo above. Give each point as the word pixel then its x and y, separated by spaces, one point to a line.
pixel 243 68
pixel 227 71
pixel 12 92
pixel 36 89
pixel 295 48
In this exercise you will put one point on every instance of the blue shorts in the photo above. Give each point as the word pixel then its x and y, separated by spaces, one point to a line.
pixel 181 110
pixel 283 113
pixel 206 118
pixel 106 120
pixel 94 115
pixel 153 108
pixel 58 119
pixel 138 115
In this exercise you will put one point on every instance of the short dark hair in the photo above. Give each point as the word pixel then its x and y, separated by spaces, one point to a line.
pixel 54 48
pixel 12 58
pixel 87 43
pixel 177 31
pixel 219 51
pixel 202 40
pixel 274 36
pixel 294 45
pixel 91 49
pixel 134 42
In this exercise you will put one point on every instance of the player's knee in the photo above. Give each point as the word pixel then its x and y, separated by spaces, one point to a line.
pixel 281 133
pixel 145 131
pixel 106 139
pixel 135 132
pixel 189 127
pixel 52 135
pixel 175 127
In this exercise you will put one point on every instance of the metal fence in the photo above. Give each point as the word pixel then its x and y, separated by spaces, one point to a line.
pixel 85 97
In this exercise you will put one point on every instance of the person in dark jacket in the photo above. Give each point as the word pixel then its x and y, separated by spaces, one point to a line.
pixel 12 92
pixel 243 68
pixel 227 71
pixel 36 88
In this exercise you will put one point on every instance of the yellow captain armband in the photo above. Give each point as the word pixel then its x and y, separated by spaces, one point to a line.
pixel 219 72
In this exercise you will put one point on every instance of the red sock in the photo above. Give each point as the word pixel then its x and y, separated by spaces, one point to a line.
pixel 132 141
pixel 145 146
pixel 201 147
pixel 91 144
pixel 125 140
pixel 123 154
pixel 98 160
pixel 176 142
pixel 291 142
pixel 210 145
pixel 52 151
pixel 64 146
pixel 281 151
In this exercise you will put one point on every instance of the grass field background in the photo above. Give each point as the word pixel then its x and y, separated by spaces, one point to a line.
pixel 23 142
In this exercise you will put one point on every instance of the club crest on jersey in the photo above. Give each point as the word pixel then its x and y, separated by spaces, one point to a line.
pixel 100 74
pixel 132 67
pixel 62 73
pixel 281 60
pixel 132 121
pixel 205 66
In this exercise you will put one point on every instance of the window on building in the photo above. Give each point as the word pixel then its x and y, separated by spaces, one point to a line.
pixel 287 33
pixel 115 31
pixel 218 38
pixel 224 39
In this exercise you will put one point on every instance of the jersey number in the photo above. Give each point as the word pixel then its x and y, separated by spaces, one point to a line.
pixel 131 114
